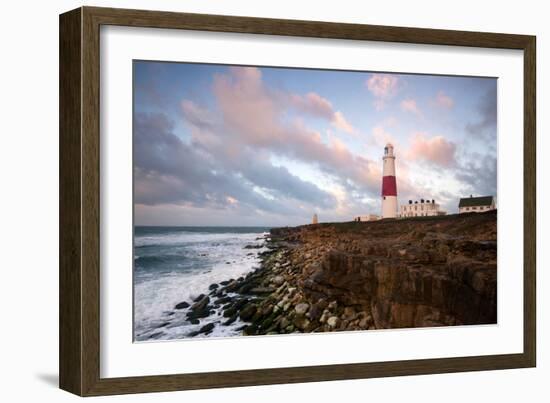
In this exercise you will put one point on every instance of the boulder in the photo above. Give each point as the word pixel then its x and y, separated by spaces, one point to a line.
pixel 198 298
pixel 333 321
pixel 284 323
pixel 301 322
pixel 229 312
pixel 301 308
pixel 224 300
pixel 240 303
pixel 200 304
pixel 197 314
pixel 315 311
pixel 324 316
pixel 207 328
pixel 230 320
pixel 248 311
pixel 278 280
pixel 182 305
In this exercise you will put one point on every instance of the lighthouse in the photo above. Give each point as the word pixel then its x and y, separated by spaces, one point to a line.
pixel 389 184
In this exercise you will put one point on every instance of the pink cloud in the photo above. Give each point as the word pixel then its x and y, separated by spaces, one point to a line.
pixel 383 87
pixel 196 115
pixel 444 100
pixel 382 137
pixel 246 105
pixel 252 122
pixel 410 105
pixel 314 104
pixel 436 150
pixel 340 122
pixel 254 117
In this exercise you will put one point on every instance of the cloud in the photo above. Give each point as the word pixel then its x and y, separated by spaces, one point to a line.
pixel 409 105
pixel 382 137
pixel 245 105
pixel 255 119
pixel 487 107
pixel 170 171
pixel 227 162
pixel 231 200
pixel 436 150
pixel 444 101
pixel 383 87
pixel 479 175
pixel 340 122
pixel 196 115
pixel 315 105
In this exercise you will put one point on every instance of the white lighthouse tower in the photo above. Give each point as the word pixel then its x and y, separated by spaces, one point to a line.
pixel 389 184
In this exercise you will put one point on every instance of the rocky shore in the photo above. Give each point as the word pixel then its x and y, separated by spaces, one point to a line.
pixel 417 272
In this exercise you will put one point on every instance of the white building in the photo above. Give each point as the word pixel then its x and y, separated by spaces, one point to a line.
pixel 368 217
pixel 421 208
pixel 476 204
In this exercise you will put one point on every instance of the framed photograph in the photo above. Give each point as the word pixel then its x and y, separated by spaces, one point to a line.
pixel 249 201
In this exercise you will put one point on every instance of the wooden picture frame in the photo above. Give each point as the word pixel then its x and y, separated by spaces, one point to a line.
pixel 79 279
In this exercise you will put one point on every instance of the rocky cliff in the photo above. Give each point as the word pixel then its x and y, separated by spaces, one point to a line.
pixel 429 271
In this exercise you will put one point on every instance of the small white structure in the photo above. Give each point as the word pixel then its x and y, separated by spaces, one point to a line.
pixel 421 208
pixel 389 184
pixel 315 219
pixel 368 217
pixel 476 204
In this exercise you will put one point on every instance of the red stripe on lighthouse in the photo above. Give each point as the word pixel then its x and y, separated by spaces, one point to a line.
pixel 389 186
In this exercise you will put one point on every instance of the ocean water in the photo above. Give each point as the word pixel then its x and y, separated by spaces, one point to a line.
pixel 176 264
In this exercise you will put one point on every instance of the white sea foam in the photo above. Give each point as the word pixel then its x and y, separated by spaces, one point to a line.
pixel 174 238
pixel 222 256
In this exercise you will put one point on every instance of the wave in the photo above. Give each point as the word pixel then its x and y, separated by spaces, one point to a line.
pixel 181 238
pixel 178 266
pixel 148 259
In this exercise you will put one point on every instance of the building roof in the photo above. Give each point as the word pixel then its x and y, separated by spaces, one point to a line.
pixel 475 201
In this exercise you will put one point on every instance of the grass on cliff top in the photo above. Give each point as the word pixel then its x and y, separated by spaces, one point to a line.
pixel 351 226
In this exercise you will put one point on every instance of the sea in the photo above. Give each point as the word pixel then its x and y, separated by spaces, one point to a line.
pixel 176 264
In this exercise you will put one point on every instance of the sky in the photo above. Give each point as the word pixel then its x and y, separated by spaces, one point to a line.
pixel 222 145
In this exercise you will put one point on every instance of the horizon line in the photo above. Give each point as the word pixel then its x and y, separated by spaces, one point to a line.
pixel 211 226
